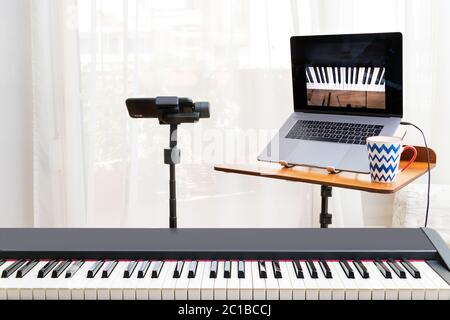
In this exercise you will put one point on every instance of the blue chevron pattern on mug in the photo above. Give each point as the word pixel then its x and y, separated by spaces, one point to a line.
pixel 384 159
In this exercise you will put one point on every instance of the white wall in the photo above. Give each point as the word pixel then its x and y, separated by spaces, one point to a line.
pixel 16 201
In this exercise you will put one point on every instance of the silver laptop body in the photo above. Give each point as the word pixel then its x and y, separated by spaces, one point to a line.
pixel 346 88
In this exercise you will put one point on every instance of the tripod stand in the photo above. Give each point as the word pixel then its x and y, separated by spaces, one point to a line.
pixel 172 157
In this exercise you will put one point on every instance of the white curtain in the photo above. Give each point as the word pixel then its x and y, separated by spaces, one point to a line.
pixel 94 166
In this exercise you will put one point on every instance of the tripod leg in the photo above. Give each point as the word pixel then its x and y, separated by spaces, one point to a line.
pixel 173 198
pixel 325 217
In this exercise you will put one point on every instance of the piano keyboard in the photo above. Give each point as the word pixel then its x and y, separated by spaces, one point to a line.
pixel 223 264
pixel 221 280
pixel 346 78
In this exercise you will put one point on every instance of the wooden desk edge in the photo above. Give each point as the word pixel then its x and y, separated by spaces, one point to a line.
pixel 381 188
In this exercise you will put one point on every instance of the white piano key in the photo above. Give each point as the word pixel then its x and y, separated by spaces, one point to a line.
pixel 350 288
pixel 119 285
pixel 6 283
pixel 390 287
pixel 195 284
pixel 359 85
pixel 322 283
pixel 143 286
pixel 93 285
pixel 78 281
pixel 343 86
pixel 335 282
pixel 233 283
pixel 220 284
pixel 404 290
pixel 331 84
pixel 207 291
pixel 272 288
pixel 3 281
pixel 442 286
pixel 168 286
pixel 154 286
pixel 431 290
pixel 246 284
pixel 284 283
pixel 259 285
pixel 312 290
pixel 182 283
pixel 298 286
pixel 374 280
pixel 364 287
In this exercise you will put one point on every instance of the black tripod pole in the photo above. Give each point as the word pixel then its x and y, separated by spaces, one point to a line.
pixel 172 157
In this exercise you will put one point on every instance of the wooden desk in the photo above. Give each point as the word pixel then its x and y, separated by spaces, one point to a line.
pixel 348 180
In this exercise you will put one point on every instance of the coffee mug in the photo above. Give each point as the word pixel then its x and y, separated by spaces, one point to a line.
pixel 384 157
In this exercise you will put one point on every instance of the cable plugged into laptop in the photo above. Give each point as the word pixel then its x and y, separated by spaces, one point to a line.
pixel 405 123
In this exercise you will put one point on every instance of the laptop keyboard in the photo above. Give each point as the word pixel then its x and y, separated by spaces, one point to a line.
pixel 340 132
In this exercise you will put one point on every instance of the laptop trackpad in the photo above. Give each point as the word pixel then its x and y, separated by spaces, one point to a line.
pixel 318 154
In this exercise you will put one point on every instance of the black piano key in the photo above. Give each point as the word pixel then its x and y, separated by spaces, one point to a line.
pixel 109 268
pixel 241 269
pixel 156 269
pixel 325 269
pixel 382 79
pixel 365 75
pixel 338 71
pixel 227 270
pixel 2 261
pixel 192 269
pixel 130 269
pixel 276 270
pixel 12 268
pixel 378 79
pixel 47 268
pixel 213 269
pixel 347 269
pixel 312 269
pixel 351 75
pixel 370 75
pixel 356 75
pixel 361 269
pixel 346 75
pixel 298 269
pixel 333 72
pixel 325 71
pixel 397 268
pixel 411 269
pixel 178 269
pixel 316 72
pixel 262 270
pixel 26 268
pixel 383 269
pixel 74 268
pixel 63 265
pixel 95 268
pixel 309 75
pixel 143 269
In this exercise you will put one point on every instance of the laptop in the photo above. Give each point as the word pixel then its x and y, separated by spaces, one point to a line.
pixel 346 88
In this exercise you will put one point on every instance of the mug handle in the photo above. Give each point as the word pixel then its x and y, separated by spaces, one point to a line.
pixel 413 157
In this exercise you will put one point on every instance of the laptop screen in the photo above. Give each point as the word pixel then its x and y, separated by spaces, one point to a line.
pixel 357 74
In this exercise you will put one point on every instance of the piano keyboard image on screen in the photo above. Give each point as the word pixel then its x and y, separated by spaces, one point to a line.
pixel 223 264
pixel 354 87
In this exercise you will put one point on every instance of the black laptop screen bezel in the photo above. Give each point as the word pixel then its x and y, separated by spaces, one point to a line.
pixel 393 76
